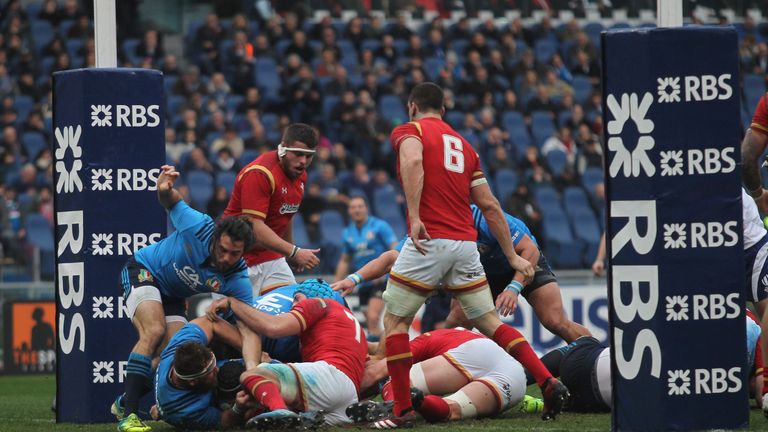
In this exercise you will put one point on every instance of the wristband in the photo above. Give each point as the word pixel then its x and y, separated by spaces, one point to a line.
pixel 515 287
pixel 294 251
pixel 237 410
pixel 356 278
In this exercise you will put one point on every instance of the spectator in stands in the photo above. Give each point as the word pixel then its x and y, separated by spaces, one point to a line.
pixel 188 122
pixel 499 159
pixel 477 85
pixel 528 63
pixel 555 87
pixel 229 141
pixel 240 24
pixel 589 68
pixel 415 48
pixel 590 156
pixel 461 30
pixel 82 29
pixel 252 101
pixel 561 71
pixel 262 47
pixel 510 101
pixel 495 137
pixel 569 31
pixel 387 51
pixel 198 162
pixel 13 232
pixel 49 12
pixel 328 63
pixel 170 66
pixel 224 162
pixel 435 46
pixel 522 206
pixel 329 43
pixel 218 89
pixel 216 125
pixel 189 83
pixel 26 86
pixel 343 114
pixel 54 47
pixel 70 11
pixel 27 181
pixel 360 181
pixel 174 148
pixel 150 46
pixel 541 102
pixel 354 33
pixel 62 63
pixel 218 202
pixel 561 140
pixel 375 29
pixel 300 47
pixel 35 123
pixel 399 29
pixel 759 63
pixel 209 35
pixel 340 158
pixel 6 82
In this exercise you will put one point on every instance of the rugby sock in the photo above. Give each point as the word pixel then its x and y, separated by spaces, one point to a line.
pixel 138 374
pixel 386 392
pixel 399 362
pixel 264 391
pixel 435 409
pixel 513 342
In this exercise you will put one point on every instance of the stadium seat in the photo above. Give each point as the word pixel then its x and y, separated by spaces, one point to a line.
pixel 23 105
pixel 544 49
pixel 39 232
pixel 587 230
pixel 557 161
pixel 582 89
pixel 574 199
pixel 300 236
pixel 455 119
pixel 331 227
pixel 174 104
pixel 247 157
pixel 226 179
pixel 542 126
pixel 505 181
pixel 754 89
pixel 200 184
pixel 74 46
pixel 391 107
pixel 34 143
pixel 267 76
pixel 43 34
pixel 370 44
pixel 590 178
pixel 546 195
pixel 433 66
pixel 560 246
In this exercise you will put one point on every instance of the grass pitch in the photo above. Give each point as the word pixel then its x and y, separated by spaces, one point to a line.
pixel 25 405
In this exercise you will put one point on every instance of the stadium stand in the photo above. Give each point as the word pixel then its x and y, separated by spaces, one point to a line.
pixel 253 70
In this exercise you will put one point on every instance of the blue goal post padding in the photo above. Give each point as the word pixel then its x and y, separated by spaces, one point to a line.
pixel 673 180
pixel 108 147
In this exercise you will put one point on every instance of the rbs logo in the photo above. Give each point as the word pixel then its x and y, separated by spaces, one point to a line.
pixel 694 88
pixel 125 115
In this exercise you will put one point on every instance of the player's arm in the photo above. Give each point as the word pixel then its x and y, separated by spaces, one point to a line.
pixel 599 265
pixel 288 235
pixel 220 330
pixel 251 346
pixel 166 193
pixel 374 269
pixel 497 222
pixel 263 324
pixel 528 251
pixel 411 154
pixel 752 147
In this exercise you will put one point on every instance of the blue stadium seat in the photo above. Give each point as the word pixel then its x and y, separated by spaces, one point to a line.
pixel 267 76
pixel 574 199
pixel 754 89
pixel 458 46
pixel 400 46
pixel 385 207
pixel 593 28
pixel 74 46
pixel 129 49
pixel 226 179
pixel 200 184
pixel 391 108
pixel 370 44
pixel 348 50
pixel 560 246
pixel 546 195
pixel 505 181
pixel 544 49
pixel 590 178
pixel 331 227
pixel 174 104
pixel 300 236
pixel 586 230
pixel 34 143
pixel 23 105
pixel 557 161
pixel 247 157
pixel 514 123
pixel 563 118
pixel 42 32
pixel 542 126
pixel 39 232
pixel 433 66
pixel 582 89
pixel 455 119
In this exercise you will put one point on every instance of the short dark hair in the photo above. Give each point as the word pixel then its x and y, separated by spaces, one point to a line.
pixel 300 132
pixel 238 228
pixel 427 96
pixel 229 378
pixel 191 357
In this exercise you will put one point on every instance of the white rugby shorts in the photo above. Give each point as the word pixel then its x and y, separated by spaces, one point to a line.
pixel 269 275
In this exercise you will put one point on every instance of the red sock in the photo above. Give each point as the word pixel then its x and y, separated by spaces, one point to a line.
pixel 265 392
pixel 386 392
pixel 399 362
pixel 513 342
pixel 435 409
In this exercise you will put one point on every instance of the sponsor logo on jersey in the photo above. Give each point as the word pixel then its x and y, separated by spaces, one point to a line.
pixel 289 208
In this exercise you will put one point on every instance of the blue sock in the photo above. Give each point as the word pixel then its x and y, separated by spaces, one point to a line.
pixel 139 374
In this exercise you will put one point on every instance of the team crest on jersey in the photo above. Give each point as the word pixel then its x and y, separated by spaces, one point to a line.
pixel 214 284
pixel 145 276
pixel 289 208
pixel 370 235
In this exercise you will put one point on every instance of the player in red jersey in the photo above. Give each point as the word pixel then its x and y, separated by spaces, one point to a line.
pixel 269 190
pixel 333 350
pixel 752 147
pixel 480 379
pixel 440 173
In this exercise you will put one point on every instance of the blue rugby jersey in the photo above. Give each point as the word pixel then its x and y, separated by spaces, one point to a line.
pixel 494 261
pixel 180 262
pixel 367 243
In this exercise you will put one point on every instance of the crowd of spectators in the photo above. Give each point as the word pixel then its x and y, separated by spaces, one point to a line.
pixel 526 96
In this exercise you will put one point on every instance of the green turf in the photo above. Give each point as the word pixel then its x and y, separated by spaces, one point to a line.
pixel 25 405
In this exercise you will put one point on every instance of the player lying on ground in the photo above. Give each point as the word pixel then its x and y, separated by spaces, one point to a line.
pixel 186 377
pixel 440 174
pixel 269 191
pixel 461 375
pixel 200 256
pixel 585 367
pixel 333 349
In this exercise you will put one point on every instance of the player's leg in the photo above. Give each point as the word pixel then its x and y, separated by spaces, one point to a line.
pixel 373 314
pixel 761 310
pixel 274 387
pixel 548 306
pixel 410 281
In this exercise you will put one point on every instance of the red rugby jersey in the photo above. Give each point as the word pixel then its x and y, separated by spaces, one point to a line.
pixel 451 169
pixel 438 342
pixel 330 332
pixel 263 190
pixel 760 119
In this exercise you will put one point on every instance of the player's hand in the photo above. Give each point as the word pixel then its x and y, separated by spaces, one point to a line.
pixel 597 267
pixel 154 413
pixel 220 305
pixel 167 178
pixel 525 268
pixel 305 259
pixel 344 286
pixel 506 303
pixel 245 400
pixel 419 231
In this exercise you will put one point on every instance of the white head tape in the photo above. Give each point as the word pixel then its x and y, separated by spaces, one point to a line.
pixel 282 150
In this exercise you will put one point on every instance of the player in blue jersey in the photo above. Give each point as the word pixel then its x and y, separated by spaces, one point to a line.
pixel 186 379
pixel 365 238
pixel 199 257
pixel 542 292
